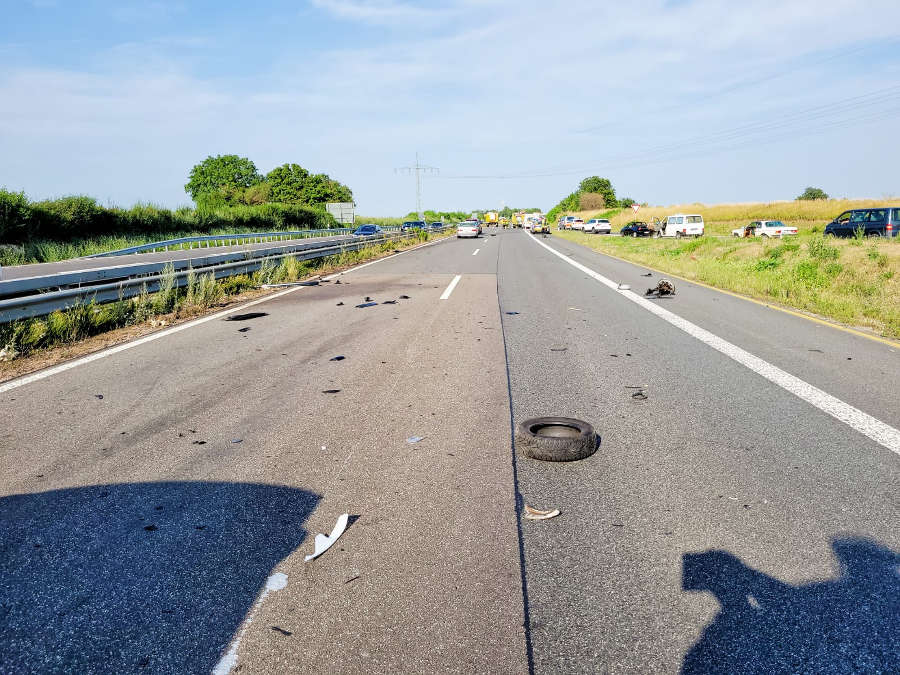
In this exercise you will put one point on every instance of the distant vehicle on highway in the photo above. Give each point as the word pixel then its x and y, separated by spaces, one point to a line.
pixel 680 225
pixel 765 229
pixel 878 222
pixel 578 224
pixel 367 230
pixel 636 228
pixel 413 225
pixel 435 225
pixel 468 228
pixel 598 226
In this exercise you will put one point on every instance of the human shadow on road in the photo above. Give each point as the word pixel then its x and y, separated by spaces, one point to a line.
pixel 846 625
pixel 140 576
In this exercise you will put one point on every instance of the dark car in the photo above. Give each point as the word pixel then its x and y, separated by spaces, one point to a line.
pixel 636 228
pixel 413 225
pixel 883 221
pixel 435 225
pixel 367 230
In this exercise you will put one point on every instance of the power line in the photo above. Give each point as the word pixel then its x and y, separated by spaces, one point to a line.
pixel 419 169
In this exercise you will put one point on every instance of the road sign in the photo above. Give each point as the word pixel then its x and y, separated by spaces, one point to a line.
pixel 635 207
pixel 342 212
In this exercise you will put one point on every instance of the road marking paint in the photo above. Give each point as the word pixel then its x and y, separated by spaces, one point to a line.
pixel 446 293
pixel 42 374
pixel 475 252
pixel 49 372
pixel 763 303
pixel 275 582
pixel 878 431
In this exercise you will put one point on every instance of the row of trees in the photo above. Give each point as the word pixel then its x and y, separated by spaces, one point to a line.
pixel 230 180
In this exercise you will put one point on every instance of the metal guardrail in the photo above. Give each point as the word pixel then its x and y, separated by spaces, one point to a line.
pixel 65 289
pixel 227 240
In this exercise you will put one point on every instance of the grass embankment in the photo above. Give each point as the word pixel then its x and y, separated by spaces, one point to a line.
pixel 855 282
pixel 170 305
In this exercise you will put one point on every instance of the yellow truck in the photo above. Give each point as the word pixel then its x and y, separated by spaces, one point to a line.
pixel 491 218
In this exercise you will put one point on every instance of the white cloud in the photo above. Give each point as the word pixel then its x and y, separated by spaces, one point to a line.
pixel 379 11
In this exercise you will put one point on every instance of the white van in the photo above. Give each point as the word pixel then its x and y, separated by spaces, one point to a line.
pixel 681 225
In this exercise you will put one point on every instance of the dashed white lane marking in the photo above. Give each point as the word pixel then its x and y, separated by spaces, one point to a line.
pixel 449 290
pixel 275 582
pixel 475 252
pixel 878 431
pixel 49 372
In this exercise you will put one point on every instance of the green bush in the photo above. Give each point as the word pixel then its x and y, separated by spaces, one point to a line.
pixel 821 250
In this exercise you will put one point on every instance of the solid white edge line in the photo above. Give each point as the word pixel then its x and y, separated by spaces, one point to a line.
pixel 869 426
pixel 449 290
pixel 475 252
pixel 68 365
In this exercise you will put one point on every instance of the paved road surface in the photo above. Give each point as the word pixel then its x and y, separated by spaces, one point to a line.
pixel 724 525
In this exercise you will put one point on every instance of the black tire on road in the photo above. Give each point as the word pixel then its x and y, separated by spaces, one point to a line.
pixel 555 439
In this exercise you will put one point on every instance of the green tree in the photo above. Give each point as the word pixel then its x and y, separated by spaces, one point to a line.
pixel 812 193
pixel 601 186
pixel 287 183
pixel 320 189
pixel 626 202
pixel 222 178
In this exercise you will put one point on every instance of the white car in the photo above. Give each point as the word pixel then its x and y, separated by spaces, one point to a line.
pixel 468 228
pixel 680 225
pixel 764 228
pixel 578 224
pixel 598 226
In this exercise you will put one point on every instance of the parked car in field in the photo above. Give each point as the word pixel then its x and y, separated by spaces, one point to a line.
pixel 681 225
pixel 636 228
pixel 413 225
pixel 367 230
pixel 765 229
pixel 468 228
pixel 578 224
pixel 567 222
pixel 598 226
pixel 878 222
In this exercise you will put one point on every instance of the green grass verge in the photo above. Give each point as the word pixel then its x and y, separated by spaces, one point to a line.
pixel 856 282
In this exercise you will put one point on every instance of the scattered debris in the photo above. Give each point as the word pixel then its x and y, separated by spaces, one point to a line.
pixel 324 542
pixel 575 309
pixel 624 287
pixel 367 304
pixel 355 576
pixel 537 514
pixel 99 396
pixel 282 631
pixel 198 443
pixel 340 304
pixel 849 358
pixel 389 302
pixel 558 349
pixel 815 350
pixel 237 440
pixel 649 274
pixel 311 282
pixel 151 528
pixel 337 358
pixel 512 313
pixel 414 439
pixel 664 287
pixel 330 391
pixel 337 281
pixel 245 329
pixel 368 299
pixel 639 396
pixel 405 297
pixel 247 316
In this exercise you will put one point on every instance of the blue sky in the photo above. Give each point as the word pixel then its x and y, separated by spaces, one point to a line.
pixel 514 100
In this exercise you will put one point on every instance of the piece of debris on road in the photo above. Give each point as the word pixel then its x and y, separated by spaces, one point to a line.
pixel 537 514
pixel 664 287
pixel 323 542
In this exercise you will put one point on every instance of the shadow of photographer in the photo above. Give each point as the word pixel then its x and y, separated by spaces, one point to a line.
pixel 847 625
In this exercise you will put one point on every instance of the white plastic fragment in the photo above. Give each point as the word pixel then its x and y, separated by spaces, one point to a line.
pixel 624 287
pixel 537 514
pixel 414 439
pixel 324 542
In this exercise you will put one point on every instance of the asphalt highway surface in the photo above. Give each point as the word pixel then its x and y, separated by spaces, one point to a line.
pixel 739 516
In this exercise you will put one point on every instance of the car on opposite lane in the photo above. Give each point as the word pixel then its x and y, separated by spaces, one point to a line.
pixel 413 225
pixel 636 228
pixel 367 230
pixel 435 225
